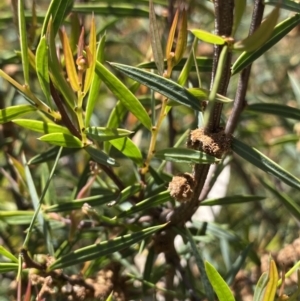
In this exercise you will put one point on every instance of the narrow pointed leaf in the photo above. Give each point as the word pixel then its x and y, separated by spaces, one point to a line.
pixel 258 159
pixel 32 99
pixel 204 64
pixel 203 94
pixel 185 155
pixel 187 68
pixel 8 255
pixel 95 200
pixel 280 31
pixel 62 139
pixel 287 4
pixel 110 10
pixel 128 149
pixel 95 85
pixel 238 264
pixel 275 109
pixel 6 267
pixel 155 40
pixel 181 37
pixel 50 155
pixel 10 113
pixel 42 68
pixel 90 72
pixel 260 35
pixel 69 60
pixel 57 11
pixel 23 41
pixel 105 134
pixel 284 199
pixel 260 287
pixel 146 204
pixel 171 35
pixel 219 285
pixel 103 248
pixel 124 95
pixel 239 8
pixel 200 264
pixel 229 200
pixel 101 157
pixel 56 71
pixel 40 126
pixel 162 85
pixel 271 286
pixel 208 37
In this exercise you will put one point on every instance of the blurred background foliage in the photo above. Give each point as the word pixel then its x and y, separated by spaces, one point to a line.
pixel 267 224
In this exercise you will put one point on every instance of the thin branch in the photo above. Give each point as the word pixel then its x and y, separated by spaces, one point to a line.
pixel 64 115
pixel 240 102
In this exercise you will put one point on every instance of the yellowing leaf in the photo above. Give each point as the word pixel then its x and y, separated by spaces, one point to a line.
pixel 207 37
pixel 70 65
pixel 261 35
pixel 270 290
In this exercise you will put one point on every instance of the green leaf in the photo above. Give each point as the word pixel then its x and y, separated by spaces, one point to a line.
pixel 95 200
pixel 50 154
pixel 124 95
pixel 275 109
pixel 128 149
pixel 280 31
pixel 219 285
pixel 8 267
pixel 204 64
pixel 9 113
pixel 100 157
pixel 105 134
pixel 260 35
pixel 239 8
pixel 260 287
pixel 19 217
pixel 234 199
pixel 286 4
pixel 58 10
pixel 42 68
pixel 41 126
pixel 203 94
pixel 103 248
pixel 162 85
pixel 23 41
pixel 239 262
pixel 208 37
pixel 185 155
pixel 284 199
pixel 155 40
pixel 8 255
pixel 95 85
pixel 33 194
pixel 258 159
pixel 62 139
pixel 200 263
pixel 146 204
pixel 110 10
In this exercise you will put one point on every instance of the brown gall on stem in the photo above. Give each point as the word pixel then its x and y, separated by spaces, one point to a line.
pixel 214 144
pixel 182 187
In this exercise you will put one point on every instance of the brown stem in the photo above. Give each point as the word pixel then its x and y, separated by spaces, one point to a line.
pixel 223 24
pixel 112 175
pixel 223 27
pixel 64 115
pixel 240 102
